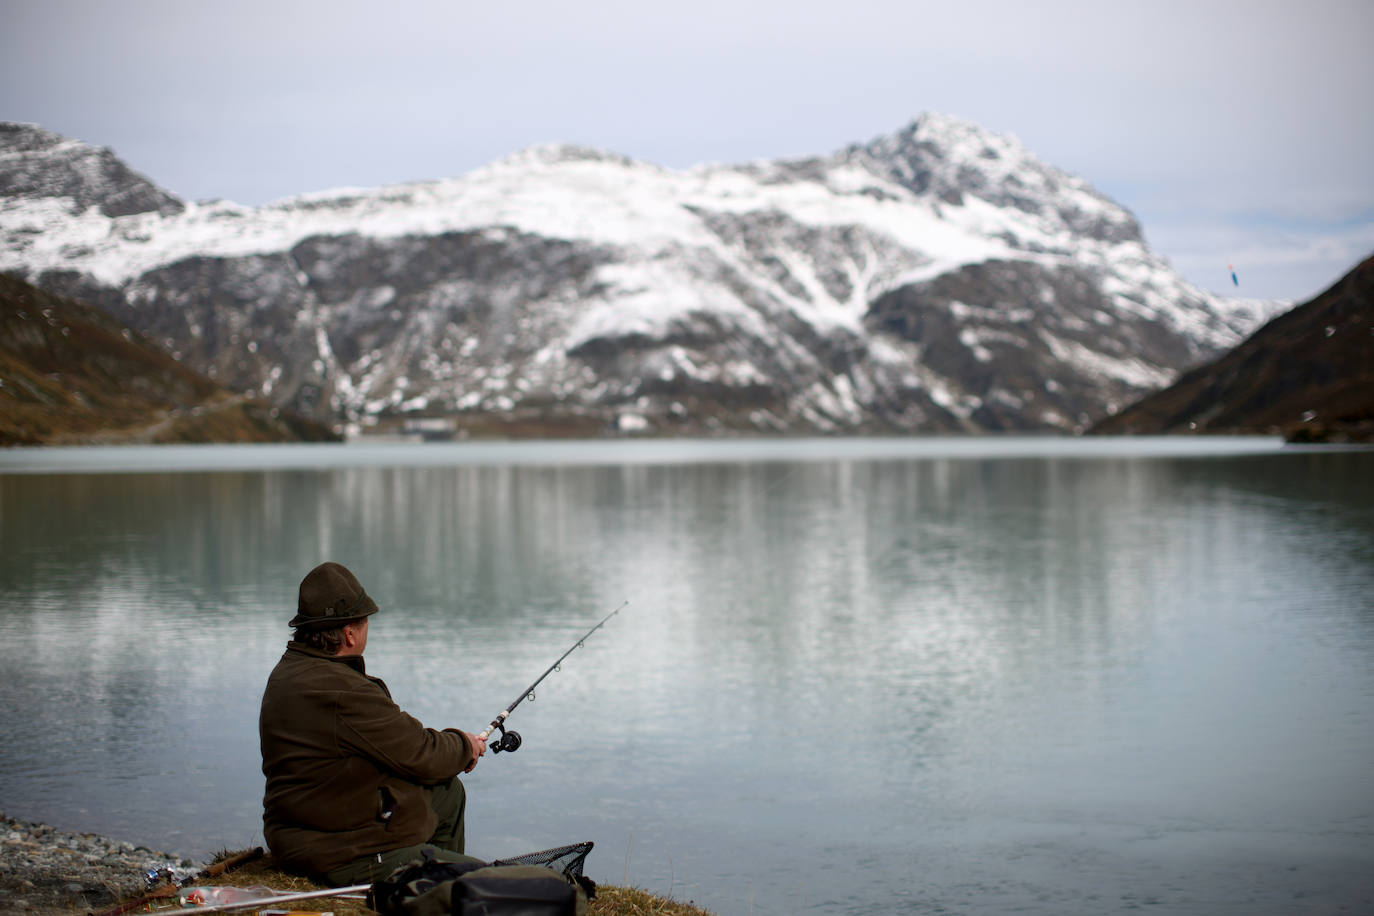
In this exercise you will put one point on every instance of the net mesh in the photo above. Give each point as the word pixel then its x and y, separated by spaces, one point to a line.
pixel 565 859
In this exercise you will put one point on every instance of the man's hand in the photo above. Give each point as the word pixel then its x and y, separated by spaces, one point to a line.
pixel 479 747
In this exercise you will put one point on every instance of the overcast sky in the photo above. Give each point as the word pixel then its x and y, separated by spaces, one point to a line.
pixel 1238 132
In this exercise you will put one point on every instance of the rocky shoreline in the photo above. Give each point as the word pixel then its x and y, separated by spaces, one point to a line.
pixel 45 871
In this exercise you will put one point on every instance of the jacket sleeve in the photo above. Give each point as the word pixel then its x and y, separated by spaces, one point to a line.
pixel 370 723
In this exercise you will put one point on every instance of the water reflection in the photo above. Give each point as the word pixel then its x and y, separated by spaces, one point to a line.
pixel 1076 665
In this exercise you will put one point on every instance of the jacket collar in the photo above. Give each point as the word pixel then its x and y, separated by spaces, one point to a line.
pixel 353 661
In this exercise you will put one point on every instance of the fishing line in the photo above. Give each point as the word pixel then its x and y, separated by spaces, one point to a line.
pixel 510 740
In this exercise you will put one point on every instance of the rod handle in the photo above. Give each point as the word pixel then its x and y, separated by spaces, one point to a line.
pixel 485 733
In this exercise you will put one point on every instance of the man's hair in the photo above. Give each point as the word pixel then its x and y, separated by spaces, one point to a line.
pixel 330 640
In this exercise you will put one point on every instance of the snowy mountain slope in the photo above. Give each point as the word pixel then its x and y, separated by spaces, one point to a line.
pixel 937 279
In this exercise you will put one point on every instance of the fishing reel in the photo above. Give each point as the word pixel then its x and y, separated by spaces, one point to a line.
pixel 509 741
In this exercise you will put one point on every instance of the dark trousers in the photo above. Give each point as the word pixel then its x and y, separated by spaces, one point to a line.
pixel 449 802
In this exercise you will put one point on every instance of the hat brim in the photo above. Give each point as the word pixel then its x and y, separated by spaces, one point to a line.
pixel 300 621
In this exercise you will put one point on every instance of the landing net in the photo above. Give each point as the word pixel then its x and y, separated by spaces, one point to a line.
pixel 565 859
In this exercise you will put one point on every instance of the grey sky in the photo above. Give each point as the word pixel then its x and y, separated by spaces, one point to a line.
pixel 1238 132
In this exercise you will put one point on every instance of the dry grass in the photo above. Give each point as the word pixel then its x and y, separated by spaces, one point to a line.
pixel 610 900
pixel 263 872
pixel 631 901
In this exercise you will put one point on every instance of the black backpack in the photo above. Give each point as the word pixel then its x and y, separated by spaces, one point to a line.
pixel 547 883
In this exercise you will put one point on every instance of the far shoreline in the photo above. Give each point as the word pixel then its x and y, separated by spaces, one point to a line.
pixel 129 459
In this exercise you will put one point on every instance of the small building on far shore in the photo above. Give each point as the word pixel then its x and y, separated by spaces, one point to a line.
pixel 429 429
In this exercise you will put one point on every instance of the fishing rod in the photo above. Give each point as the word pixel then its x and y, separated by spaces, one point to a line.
pixel 510 740
pixel 258 903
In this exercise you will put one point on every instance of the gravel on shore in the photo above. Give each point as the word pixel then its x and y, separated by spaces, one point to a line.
pixel 45 871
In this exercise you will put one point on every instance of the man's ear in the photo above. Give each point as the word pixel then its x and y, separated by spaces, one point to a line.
pixel 350 634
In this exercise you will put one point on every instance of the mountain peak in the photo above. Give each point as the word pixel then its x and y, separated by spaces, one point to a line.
pixel 41 164
pixel 559 153
pixel 22 137
pixel 950 159
pixel 936 124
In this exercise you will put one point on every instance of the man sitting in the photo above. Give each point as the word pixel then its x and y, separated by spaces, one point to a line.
pixel 355 786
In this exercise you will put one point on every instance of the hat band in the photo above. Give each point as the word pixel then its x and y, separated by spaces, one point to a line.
pixel 350 611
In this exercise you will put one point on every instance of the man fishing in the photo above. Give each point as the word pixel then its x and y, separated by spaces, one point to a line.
pixel 355 786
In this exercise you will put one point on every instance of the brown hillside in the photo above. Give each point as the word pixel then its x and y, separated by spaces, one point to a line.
pixel 1308 375
pixel 71 374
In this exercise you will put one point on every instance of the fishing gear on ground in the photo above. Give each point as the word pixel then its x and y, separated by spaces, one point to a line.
pixel 510 740
pixel 163 884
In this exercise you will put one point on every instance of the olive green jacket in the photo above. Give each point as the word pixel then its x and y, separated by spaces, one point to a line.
pixel 347 770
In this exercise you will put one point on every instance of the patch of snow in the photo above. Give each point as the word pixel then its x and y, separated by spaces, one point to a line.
pixel 969 337
pixel 1129 370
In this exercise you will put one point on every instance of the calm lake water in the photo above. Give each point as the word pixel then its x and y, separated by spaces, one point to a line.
pixel 924 676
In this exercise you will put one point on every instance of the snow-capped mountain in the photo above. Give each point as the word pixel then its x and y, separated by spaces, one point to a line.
pixel 937 279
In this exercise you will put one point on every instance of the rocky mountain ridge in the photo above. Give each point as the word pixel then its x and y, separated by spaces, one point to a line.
pixel 1307 375
pixel 940 279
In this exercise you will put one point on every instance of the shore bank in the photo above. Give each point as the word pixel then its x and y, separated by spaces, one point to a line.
pixel 45 871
